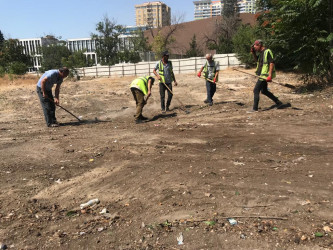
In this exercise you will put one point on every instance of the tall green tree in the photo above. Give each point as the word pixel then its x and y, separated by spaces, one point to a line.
pixel 53 55
pixel 193 51
pixel 2 40
pixel 300 33
pixel 107 41
pixel 230 8
pixel 12 58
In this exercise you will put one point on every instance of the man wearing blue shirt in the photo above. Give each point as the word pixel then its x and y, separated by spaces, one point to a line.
pixel 44 91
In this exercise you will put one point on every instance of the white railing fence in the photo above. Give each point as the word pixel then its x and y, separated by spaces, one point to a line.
pixel 180 66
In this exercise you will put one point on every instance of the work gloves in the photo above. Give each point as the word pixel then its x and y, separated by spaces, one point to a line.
pixel 214 80
pixel 268 79
pixel 199 74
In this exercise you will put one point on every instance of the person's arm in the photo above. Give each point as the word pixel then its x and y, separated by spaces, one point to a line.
pixel 149 89
pixel 155 73
pixel 57 92
pixel 43 82
pixel 199 73
pixel 216 75
pixel 254 53
pixel 174 78
pixel 271 67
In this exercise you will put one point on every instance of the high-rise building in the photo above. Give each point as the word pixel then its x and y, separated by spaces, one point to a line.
pixel 207 8
pixel 210 8
pixel 153 14
pixel 247 6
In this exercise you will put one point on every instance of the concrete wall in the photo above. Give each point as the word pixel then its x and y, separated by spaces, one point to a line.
pixel 180 66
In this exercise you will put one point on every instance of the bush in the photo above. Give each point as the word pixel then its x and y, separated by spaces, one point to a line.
pixel 17 68
pixel 2 71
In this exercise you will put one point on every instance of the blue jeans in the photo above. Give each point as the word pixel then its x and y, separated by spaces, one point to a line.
pixel 211 89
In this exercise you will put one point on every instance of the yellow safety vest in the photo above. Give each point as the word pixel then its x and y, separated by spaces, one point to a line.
pixel 141 83
pixel 265 67
pixel 161 71
pixel 205 70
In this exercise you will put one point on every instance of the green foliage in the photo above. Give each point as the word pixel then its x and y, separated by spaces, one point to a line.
pixel 53 56
pixel 107 41
pixel 76 60
pixel 139 41
pixel 129 56
pixel 300 35
pixel 2 40
pixel 17 68
pixel 193 51
pixel 159 45
pixel 230 8
pixel 242 41
pixel 12 59
pixel 224 30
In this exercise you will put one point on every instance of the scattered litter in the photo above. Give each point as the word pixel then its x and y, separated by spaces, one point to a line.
pixel 58 181
pixel 210 222
pixel 302 158
pixel 104 211
pixel 100 229
pixel 91 160
pixel 208 195
pixel 80 117
pixel 180 239
pixel 89 203
pixel 303 203
pixel 310 175
pixel 327 229
pixel 243 236
pixel 319 234
pixel 232 221
pixel 237 163
pixel 82 233
pixel 114 141
pixel 303 237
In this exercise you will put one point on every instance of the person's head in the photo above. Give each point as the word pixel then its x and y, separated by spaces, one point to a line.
pixel 165 55
pixel 209 57
pixel 258 45
pixel 64 72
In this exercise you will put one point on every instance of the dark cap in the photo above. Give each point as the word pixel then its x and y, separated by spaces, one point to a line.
pixel 165 53
pixel 258 42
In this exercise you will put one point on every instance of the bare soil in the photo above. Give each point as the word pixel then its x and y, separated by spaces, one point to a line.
pixel 181 172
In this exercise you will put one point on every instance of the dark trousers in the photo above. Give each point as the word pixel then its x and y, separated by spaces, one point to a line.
pixel 211 89
pixel 162 94
pixel 261 86
pixel 139 100
pixel 48 106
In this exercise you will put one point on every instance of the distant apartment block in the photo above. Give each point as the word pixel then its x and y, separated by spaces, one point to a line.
pixel 209 8
pixel 247 6
pixel 152 14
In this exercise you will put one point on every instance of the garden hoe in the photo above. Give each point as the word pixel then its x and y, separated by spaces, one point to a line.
pixel 182 107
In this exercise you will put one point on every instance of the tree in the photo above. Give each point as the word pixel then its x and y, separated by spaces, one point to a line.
pixel 2 40
pixel 12 58
pixel 301 35
pixel 193 51
pixel 76 60
pixel 53 55
pixel 230 8
pixel 107 41
pixel 139 41
pixel 164 37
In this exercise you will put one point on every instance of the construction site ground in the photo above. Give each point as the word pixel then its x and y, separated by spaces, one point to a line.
pixel 196 177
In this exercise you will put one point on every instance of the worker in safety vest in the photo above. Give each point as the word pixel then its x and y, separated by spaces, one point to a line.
pixel 266 72
pixel 211 70
pixel 166 76
pixel 140 88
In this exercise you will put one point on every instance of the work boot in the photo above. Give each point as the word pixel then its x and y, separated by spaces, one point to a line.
pixel 143 117
pixel 279 104
pixel 167 109
pixel 206 101
pixel 138 121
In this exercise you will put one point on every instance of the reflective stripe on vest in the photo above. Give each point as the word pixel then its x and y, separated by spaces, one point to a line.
pixel 205 70
pixel 265 66
pixel 141 83
pixel 161 70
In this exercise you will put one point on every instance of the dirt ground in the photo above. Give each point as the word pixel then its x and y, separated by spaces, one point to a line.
pixel 180 174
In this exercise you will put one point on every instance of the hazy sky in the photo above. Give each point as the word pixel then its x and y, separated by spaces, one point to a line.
pixel 73 18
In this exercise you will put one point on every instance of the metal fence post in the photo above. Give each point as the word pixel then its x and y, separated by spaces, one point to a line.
pixel 96 71
pixel 122 70
pixel 109 71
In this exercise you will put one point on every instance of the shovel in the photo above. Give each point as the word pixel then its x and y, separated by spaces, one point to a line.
pixel 282 84
pixel 65 110
pixel 182 105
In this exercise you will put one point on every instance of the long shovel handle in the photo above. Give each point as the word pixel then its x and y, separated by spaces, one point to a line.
pixel 282 84
pixel 64 109
pixel 182 105
pixel 207 79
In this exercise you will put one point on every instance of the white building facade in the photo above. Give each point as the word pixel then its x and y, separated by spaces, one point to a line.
pixel 87 45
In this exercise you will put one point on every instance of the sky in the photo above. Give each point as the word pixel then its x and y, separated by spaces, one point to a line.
pixel 68 19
